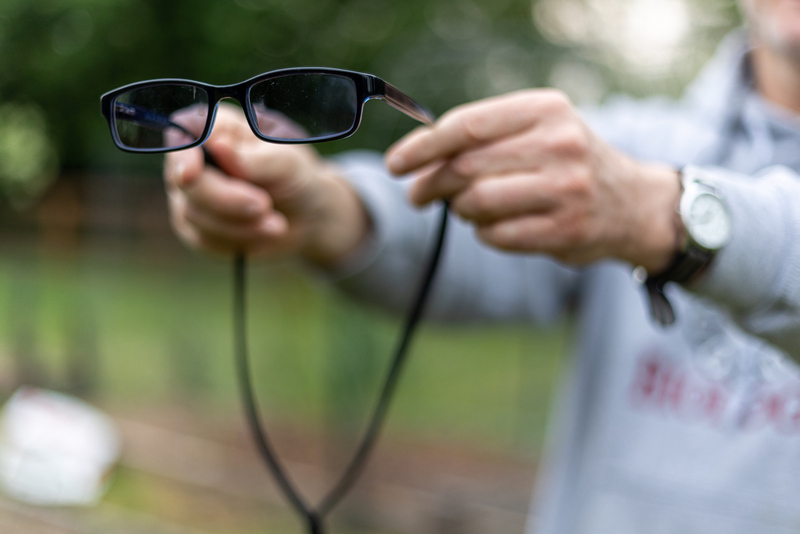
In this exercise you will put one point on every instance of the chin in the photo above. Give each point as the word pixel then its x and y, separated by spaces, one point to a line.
pixel 774 24
pixel 785 44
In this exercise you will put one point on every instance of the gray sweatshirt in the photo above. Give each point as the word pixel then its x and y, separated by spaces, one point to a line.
pixel 693 428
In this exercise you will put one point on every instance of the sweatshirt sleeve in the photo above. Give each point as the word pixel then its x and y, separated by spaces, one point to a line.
pixel 474 282
pixel 756 276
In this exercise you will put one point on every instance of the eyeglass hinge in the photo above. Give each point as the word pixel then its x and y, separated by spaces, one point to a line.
pixel 376 86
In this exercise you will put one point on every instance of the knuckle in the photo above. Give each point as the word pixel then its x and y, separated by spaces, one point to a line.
pixel 536 104
pixel 555 101
pixel 464 165
pixel 528 98
pixel 580 235
pixel 569 140
pixel 476 203
pixel 577 231
pixel 191 218
pixel 531 103
pixel 472 125
pixel 489 236
pixel 504 237
pixel 462 205
pixel 576 183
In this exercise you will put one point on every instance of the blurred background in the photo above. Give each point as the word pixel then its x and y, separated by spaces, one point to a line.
pixel 100 301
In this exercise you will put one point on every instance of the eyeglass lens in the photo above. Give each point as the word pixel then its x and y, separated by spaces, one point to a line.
pixel 304 106
pixel 161 116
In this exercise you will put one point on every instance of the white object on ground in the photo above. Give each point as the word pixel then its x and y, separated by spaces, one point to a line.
pixel 55 450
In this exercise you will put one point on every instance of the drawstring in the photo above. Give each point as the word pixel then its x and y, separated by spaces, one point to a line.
pixel 314 524
pixel 314 517
pixel 761 137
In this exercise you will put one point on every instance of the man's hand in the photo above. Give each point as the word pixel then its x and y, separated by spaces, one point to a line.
pixel 529 174
pixel 264 198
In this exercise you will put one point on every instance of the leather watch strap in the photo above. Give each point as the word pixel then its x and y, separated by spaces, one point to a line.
pixel 684 266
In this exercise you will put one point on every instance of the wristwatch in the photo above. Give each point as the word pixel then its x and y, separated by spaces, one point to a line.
pixel 706 228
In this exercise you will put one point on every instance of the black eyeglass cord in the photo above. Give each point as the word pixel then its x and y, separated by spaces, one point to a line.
pixel 314 517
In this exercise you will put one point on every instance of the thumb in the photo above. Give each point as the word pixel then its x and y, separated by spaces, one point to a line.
pixel 222 154
pixel 266 164
pixel 182 168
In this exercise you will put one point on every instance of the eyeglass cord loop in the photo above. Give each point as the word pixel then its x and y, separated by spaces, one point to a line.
pixel 314 517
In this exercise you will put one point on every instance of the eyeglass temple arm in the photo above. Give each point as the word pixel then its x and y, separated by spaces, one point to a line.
pixel 401 101
pixel 146 117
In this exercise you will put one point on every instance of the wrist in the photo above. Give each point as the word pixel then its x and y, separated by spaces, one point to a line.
pixel 657 230
pixel 339 225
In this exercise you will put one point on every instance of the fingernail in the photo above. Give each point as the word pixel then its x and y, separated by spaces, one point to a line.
pixel 274 225
pixel 178 169
pixel 252 209
pixel 396 163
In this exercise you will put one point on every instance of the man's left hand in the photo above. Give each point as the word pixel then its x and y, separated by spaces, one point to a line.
pixel 529 174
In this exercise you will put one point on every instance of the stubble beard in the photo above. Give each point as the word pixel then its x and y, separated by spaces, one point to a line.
pixel 766 31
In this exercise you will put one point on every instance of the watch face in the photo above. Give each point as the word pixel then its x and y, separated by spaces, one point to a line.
pixel 707 221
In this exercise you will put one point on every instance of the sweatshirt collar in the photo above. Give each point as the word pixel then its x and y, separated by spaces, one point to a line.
pixel 721 87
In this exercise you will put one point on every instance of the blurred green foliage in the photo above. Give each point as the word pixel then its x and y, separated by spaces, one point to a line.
pixel 58 56
pixel 62 54
pixel 27 158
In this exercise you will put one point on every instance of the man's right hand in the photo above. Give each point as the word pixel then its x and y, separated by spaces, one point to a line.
pixel 264 198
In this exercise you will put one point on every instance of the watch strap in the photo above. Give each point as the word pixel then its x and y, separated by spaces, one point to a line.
pixel 685 266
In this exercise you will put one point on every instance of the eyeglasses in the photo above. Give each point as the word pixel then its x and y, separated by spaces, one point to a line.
pixel 298 105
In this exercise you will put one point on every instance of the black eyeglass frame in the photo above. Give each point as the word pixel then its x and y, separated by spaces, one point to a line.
pixel 367 86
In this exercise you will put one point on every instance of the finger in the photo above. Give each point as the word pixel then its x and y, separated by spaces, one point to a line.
pixel 200 232
pixel 468 126
pixel 187 232
pixel 278 245
pixel 182 168
pixel 515 155
pixel 530 233
pixel 436 181
pixel 502 197
pixel 277 124
pixel 272 225
pixel 189 123
pixel 256 161
pixel 226 197
pixel 565 238
pixel 527 150
pixel 196 239
pixel 230 122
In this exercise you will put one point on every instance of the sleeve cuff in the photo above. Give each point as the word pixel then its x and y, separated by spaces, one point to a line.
pixel 753 269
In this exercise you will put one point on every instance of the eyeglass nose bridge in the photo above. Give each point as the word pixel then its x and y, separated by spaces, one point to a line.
pixel 235 91
pixel 218 93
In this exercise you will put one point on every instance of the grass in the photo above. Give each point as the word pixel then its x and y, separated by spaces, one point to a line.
pixel 151 332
